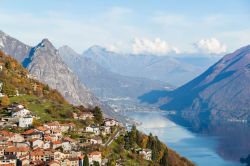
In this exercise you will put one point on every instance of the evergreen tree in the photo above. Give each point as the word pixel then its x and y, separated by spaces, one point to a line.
pixel 95 163
pixel 164 159
pixel 98 118
pixel 86 160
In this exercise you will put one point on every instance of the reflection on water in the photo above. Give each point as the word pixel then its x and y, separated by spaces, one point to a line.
pixel 222 145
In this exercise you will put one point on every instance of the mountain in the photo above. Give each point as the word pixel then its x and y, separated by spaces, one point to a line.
pixel 45 64
pixel 13 47
pixel 164 68
pixel 220 93
pixel 104 83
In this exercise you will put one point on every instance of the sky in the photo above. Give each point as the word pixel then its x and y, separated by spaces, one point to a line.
pixel 159 27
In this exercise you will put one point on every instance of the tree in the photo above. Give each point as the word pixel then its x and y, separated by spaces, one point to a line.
pixel 133 136
pixel 164 159
pixel 86 160
pixel 5 101
pixel 98 118
pixel 95 163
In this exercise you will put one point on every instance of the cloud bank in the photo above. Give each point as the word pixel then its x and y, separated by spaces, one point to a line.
pixel 156 47
pixel 210 46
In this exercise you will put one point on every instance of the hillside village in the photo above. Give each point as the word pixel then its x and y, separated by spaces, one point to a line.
pixel 38 127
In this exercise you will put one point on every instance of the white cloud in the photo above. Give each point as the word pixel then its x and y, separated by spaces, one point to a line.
pixel 156 46
pixel 210 46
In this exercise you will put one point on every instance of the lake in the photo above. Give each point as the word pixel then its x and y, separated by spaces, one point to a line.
pixel 221 147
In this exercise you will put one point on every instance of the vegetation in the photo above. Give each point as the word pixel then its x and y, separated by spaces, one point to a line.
pixel 49 105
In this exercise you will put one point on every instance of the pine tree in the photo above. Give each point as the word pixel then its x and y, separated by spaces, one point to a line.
pixel 164 159
pixel 86 160
pixel 98 118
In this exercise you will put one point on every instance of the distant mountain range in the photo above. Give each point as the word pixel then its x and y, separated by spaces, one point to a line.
pixel 105 83
pixel 45 64
pixel 221 93
pixel 175 71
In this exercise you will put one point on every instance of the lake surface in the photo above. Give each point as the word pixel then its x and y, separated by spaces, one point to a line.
pixel 202 149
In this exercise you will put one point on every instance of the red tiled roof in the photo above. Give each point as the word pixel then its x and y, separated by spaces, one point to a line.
pixel 56 142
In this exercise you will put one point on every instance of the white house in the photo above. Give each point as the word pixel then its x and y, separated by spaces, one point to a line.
pixel 95 156
pixel 25 121
pixel 93 129
pixel 96 140
pixel 21 113
pixel 111 122
pixel 66 146
pixel 37 143
pixel 147 154
pixel 85 115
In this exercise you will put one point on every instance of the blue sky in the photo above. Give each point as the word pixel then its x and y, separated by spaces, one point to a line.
pixel 157 26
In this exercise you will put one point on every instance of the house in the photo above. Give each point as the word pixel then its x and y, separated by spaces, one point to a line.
pixel 2 148
pixel 53 125
pixel 25 122
pixel 25 161
pixel 95 156
pixel 48 155
pixel 58 155
pixel 37 155
pixel 21 113
pixel 31 134
pixel 66 146
pixel 43 130
pixel 105 130
pixel 56 144
pixel 54 163
pixel 8 160
pixel 96 140
pixel 93 129
pixel 56 133
pixel 36 143
pixel 67 127
pixel 110 122
pixel 147 154
pixel 85 115
pixel 17 151
pixel 9 136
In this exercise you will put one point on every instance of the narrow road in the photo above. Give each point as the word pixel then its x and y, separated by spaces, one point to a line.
pixel 112 138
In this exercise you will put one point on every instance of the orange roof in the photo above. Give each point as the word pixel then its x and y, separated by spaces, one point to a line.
pixel 28 132
pixel 38 152
pixel 48 138
pixel 56 142
pixel 6 133
pixel 41 128
pixel 68 139
pixel 15 149
pixel 95 153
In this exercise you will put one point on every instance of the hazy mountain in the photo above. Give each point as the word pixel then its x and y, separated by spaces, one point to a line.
pixel 222 92
pixel 104 83
pixel 164 68
pixel 45 64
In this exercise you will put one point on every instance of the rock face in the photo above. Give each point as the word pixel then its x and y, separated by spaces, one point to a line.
pixel 13 47
pixel 220 93
pixel 164 68
pixel 104 83
pixel 45 64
